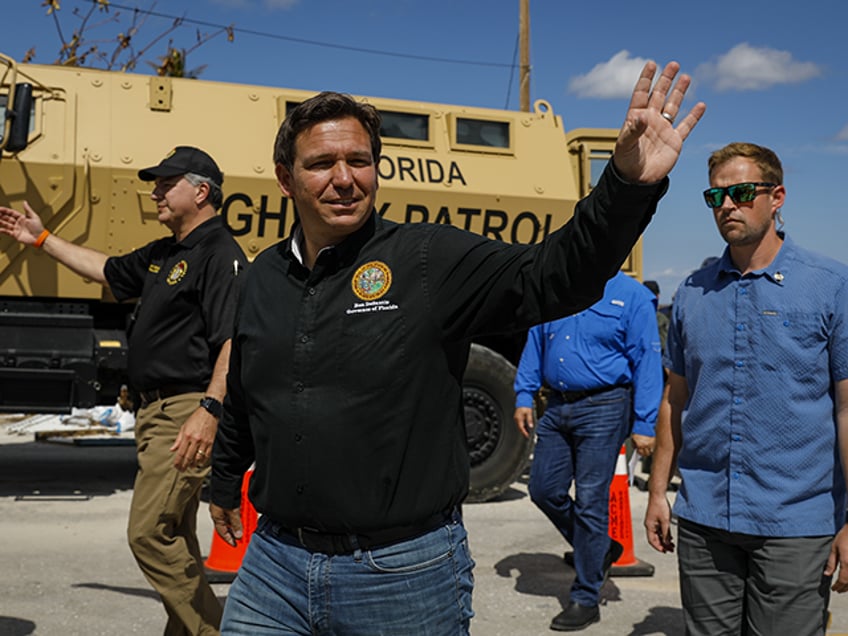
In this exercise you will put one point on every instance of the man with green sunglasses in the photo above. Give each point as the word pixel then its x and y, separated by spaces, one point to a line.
pixel 757 354
pixel 738 193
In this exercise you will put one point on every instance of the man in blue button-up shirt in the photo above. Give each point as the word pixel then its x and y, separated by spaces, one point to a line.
pixel 758 359
pixel 604 371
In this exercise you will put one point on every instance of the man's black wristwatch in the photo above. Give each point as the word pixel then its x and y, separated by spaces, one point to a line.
pixel 213 406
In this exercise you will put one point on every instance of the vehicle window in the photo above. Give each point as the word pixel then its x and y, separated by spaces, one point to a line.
pixel 4 100
pixel 399 125
pixel 482 132
pixel 598 160
pixel 290 106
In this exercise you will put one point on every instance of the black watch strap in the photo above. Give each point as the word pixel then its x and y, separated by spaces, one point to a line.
pixel 212 405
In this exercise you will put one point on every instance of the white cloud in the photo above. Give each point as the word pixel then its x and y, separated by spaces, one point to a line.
pixel 842 135
pixel 749 68
pixel 614 79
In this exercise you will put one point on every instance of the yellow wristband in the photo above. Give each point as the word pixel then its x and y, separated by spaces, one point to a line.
pixel 41 238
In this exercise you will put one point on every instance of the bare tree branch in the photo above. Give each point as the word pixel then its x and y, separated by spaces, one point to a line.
pixel 124 50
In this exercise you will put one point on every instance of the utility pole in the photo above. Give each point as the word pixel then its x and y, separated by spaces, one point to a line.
pixel 524 56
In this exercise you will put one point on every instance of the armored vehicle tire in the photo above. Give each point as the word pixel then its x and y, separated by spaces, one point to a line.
pixel 498 451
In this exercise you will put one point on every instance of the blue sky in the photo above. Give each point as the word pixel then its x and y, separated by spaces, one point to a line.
pixel 772 72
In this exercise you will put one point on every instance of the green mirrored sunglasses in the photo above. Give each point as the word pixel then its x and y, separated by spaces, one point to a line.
pixel 738 193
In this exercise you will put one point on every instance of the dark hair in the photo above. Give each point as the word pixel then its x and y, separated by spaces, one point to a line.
pixel 325 106
pixel 764 158
pixel 653 286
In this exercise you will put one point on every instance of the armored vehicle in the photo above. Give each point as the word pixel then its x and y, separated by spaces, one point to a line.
pixel 75 138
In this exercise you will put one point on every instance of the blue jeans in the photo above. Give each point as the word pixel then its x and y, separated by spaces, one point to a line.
pixel 580 442
pixel 412 588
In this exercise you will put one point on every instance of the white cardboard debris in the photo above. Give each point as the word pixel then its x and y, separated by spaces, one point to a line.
pixel 106 418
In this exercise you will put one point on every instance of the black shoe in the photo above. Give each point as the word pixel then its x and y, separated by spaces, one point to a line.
pixel 613 554
pixel 575 617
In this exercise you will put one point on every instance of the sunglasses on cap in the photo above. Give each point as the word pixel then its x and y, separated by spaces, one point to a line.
pixel 738 193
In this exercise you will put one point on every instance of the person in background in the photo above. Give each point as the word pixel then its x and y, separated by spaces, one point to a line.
pixel 603 371
pixel 662 319
pixel 758 358
pixel 179 347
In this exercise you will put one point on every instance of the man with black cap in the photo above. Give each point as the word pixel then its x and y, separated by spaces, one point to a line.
pixel 179 348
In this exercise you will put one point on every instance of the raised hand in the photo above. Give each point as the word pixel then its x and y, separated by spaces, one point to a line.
pixel 649 144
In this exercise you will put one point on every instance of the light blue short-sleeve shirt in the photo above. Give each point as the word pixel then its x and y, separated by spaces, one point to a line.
pixel 761 354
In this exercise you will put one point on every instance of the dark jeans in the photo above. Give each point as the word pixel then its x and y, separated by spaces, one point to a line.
pixel 733 583
pixel 580 443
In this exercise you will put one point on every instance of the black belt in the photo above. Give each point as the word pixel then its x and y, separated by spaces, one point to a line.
pixel 575 396
pixel 163 392
pixel 335 544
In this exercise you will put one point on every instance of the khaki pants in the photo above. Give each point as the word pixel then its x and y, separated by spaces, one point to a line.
pixel 163 520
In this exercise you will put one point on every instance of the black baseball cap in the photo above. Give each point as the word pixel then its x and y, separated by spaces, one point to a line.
pixel 182 160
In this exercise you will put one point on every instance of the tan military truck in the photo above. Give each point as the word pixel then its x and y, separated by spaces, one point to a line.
pixel 72 144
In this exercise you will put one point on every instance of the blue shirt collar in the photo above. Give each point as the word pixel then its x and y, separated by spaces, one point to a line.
pixel 775 271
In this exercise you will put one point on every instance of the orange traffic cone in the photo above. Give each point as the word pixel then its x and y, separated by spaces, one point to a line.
pixel 224 560
pixel 621 525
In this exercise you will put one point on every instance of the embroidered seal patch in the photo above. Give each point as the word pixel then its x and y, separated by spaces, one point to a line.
pixel 177 272
pixel 372 280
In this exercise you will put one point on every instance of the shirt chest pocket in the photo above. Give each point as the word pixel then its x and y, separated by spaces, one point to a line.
pixel 793 340
pixel 603 322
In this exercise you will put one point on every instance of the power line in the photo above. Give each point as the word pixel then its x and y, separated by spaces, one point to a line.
pixel 512 72
pixel 287 38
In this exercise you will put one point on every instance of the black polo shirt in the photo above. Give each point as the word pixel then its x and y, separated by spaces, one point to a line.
pixel 345 382
pixel 187 298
